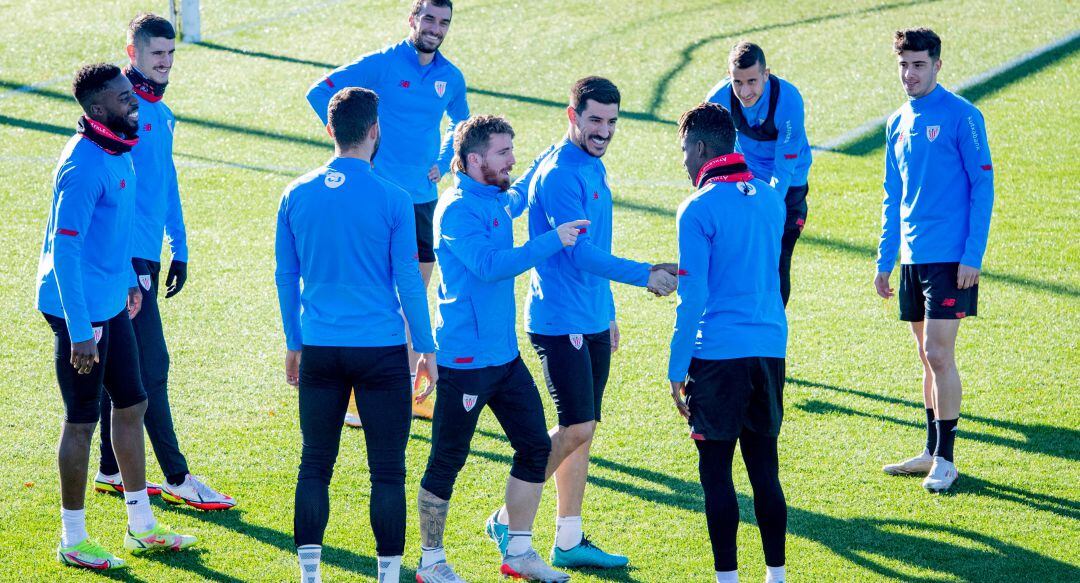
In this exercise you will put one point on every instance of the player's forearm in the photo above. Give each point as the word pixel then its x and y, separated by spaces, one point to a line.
pixel 982 202
pixel 587 257
pixel 497 264
pixel 289 304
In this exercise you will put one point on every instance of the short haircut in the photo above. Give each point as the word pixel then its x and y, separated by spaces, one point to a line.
pixel 418 5
pixel 917 40
pixel 709 123
pixel 597 89
pixel 473 136
pixel 90 80
pixel 146 26
pixel 351 113
pixel 746 54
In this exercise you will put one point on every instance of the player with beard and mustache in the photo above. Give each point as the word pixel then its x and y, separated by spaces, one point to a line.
pixel 417 86
pixel 151 43
pixel 477 348
pixel 87 291
pixel 570 311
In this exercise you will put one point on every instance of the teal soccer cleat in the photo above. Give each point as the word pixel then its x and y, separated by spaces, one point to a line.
pixel 586 554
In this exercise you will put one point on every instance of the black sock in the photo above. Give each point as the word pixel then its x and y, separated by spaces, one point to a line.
pixel 946 430
pixel 931 432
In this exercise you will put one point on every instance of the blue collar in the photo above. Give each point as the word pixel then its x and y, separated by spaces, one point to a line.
pixel 407 50
pixel 572 153
pixel 467 185
pixel 928 100
pixel 349 164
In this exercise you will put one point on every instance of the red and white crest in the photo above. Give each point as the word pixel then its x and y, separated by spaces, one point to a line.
pixel 440 88
pixel 576 341
pixel 144 281
pixel 97 334
pixel 932 132
pixel 468 401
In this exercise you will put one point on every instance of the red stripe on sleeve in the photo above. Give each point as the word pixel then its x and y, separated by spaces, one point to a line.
pixel 683 272
pixel 790 156
pixel 463 360
pixel 988 167
pixel 67 232
pixel 329 83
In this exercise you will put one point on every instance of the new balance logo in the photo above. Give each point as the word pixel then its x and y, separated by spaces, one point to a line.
pixel 948 302
pixel 404 84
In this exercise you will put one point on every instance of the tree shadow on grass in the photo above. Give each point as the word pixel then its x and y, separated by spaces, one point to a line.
pixel 1060 442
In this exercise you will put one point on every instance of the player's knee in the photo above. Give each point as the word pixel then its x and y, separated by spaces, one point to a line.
pixel 939 357
pixel 579 434
pixel 317 464
pixel 530 462
pixel 387 472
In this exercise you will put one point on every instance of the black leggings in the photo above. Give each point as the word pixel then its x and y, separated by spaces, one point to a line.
pixel 380 378
pixel 722 507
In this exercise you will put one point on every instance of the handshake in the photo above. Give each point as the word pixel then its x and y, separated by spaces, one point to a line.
pixel 663 279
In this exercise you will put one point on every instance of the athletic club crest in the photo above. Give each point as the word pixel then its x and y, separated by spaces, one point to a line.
pixel 469 401
pixel 97 334
pixel 440 88
pixel 144 281
pixel 932 132
pixel 576 341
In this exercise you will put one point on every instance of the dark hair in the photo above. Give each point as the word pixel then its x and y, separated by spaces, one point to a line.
pixel 146 26
pixel 418 5
pixel 746 54
pixel 351 113
pixel 917 39
pixel 709 123
pixel 473 136
pixel 597 89
pixel 90 80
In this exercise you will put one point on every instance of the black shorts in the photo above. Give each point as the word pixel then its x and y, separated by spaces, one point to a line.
pixel 425 231
pixel 576 369
pixel 117 369
pixel 509 390
pixel 928 290
pixel 728 396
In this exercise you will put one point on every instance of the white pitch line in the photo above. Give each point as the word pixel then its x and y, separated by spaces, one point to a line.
pixel 255 23
pixel 852 135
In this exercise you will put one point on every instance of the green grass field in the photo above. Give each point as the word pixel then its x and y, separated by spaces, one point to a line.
pixel 853 400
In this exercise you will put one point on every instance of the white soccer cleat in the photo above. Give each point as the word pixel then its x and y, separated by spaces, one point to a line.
pixel 440 572
pixel 919 464
pixel 195 493
pixel 530 567
pixel 942 475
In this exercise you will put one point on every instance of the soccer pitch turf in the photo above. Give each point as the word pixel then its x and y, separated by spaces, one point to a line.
pixel 852 397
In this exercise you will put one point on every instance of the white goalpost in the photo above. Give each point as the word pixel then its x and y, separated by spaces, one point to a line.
pixel 184 15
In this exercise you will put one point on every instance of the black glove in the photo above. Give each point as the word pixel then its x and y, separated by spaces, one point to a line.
pixel 177 276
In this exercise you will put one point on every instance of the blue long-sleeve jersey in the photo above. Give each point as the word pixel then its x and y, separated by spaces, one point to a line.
pixel 85 267
pixel 474 243
pixel 782 163
pixel 729 288
pixel 350 236
pixel 412 101
pixel 939 183
pixel 570 292
pixel 157 200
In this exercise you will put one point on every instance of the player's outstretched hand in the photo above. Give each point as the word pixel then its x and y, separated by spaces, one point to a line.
pixel 671 268
pixel 678 392
pixel 134 302
pixel 174 282
pixel 434 175
pixel 661 281
pixel 881 284
pixel 292 367
pixel 568 232
pixel 966 276
pixel 426 369
pixel 83 355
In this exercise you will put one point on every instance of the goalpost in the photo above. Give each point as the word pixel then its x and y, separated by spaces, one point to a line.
pixel 184 15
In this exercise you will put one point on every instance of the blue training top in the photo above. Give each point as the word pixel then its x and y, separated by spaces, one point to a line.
pixel 939 183
pixel 85 267
pixel 157 200
pixel 570 292
pixel 351 237
pixel 412 101
pixel 474 243
pixel 729 287
pixel 784 162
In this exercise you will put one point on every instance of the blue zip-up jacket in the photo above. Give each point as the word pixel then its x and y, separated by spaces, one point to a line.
pixel 474 243
pixel 351 237
pixel 782 163
pixel 412 101
pixel 939 183
pixel 157 201
pixel 85 268
pixel 570 292
pixel 729 288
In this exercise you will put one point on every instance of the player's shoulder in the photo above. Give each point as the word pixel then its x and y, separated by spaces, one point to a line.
pixel 449 68
pixel 392 193
pixel 80 159
pixel 959 104
pixel 788 91
pixel 720 92
pixel 305 183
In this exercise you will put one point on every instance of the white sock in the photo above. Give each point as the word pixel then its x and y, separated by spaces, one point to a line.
pixel 389 569
pixel 74 526
pixel 774 574
pixel 567 532
pixel 429 556
pixel 140 515
pixel 503 517
pixel 727 577
pixel 520 542
pixel 310 557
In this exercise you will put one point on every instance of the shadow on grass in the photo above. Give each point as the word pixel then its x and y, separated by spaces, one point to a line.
pixel 1060 442
pixel 190 560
